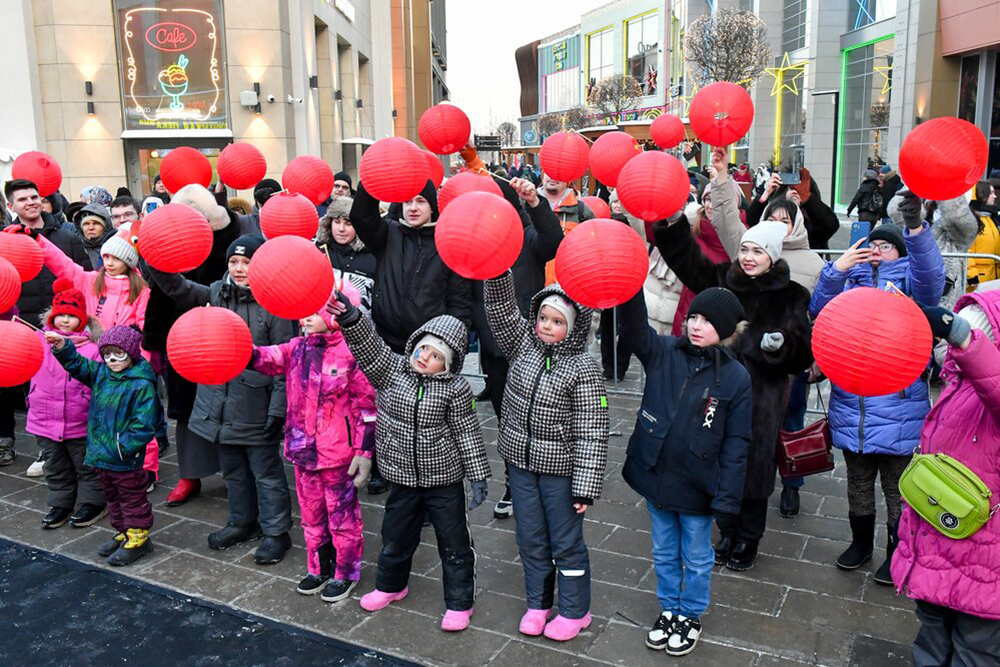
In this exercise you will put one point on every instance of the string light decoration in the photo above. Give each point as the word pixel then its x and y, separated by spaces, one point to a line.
pixel 786 76
pixel 727 45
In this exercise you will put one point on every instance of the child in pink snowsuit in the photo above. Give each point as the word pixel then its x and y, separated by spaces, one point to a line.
pixel 330 437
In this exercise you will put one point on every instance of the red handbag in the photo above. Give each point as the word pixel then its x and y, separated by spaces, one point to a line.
pixel 806 452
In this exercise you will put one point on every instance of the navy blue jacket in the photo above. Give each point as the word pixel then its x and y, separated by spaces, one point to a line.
pixel 688 452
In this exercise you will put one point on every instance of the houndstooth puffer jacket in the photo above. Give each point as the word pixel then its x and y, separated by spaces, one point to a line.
pixel 426 433
pixel 555 407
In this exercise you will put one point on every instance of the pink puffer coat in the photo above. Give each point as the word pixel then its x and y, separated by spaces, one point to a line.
pixel 965 424
pixel 331 404
pixel 58 404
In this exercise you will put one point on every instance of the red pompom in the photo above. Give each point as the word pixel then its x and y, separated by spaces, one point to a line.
pixel 602 263
pixel 20 355
pixel 40 169
pixel 653 186
pixel 563 156
pixel 943 158
pixel 241 166
pixel 310 177
pixel 444 129
pixel 667 131
pixel 598 206
pixel 467 181
pixel 721 113
pixel 209 345
pixel 610 153
pixel 62 285
pixel 183 166
pixel 175 238
pixel 479 236
pixel 394 170
pixel 290 277
pixel 10 285
pixel 24 253
pixel 288 213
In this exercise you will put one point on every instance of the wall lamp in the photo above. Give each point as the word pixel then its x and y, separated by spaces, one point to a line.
pixel 88 87
pixel 314 81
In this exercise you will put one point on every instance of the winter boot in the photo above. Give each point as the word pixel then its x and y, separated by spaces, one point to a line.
pixel 56 517
pixel 742 558
pixel 456 621
pixel 137 546
pixel 185 490
pixel 533 622
pixel 862 543
pixel 337 590
pixel 7 452
pixel 884 575
pixel 789 506
pixel 563 629
pixel 232 535
pixel 723 548
pixel 380 600
pixel 505 507
pixel 272 549
pixel 313 583
pixel 111 546
pixel 88 515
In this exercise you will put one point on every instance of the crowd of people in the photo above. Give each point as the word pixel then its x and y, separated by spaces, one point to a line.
pixel 369 392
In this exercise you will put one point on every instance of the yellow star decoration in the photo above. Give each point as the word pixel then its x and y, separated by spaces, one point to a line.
pixel 886 72
pixel 781 82
pixel 686 100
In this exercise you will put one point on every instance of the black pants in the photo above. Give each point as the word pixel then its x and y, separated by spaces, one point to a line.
pixel 11 399
pixel 69 479
pixel 951 638
pixel 608 338
pixel 862 469
pixel 257 487
pixel 404 517
pixel 751 521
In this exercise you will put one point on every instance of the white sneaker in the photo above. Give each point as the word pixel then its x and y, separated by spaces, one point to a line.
pixel 37 469
pixel 657 637
pixel 684 636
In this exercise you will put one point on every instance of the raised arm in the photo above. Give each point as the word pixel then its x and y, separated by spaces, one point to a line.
pixel 79 367
pixel 926 267
pixel 549 231
pixel 467 434
pixel 505 320
pixel 374 357
pixel 371 228
pixel 271 359
pixel 633 323
pixel 682 254
pixel 589 425
pixel 63 267
pixel 726 217
pixel 186 294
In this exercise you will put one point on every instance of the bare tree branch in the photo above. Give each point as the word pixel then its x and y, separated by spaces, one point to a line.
pixel 508 133
pixel 615 94
pixel 730 46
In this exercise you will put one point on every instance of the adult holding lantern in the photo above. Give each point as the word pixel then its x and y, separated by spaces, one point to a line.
pixel 879 433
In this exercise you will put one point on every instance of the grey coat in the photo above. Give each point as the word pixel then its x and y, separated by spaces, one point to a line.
pixel 234 413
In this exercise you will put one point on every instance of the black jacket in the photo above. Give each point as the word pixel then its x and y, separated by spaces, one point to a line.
pixel 890 187
pixel 820 220
pixel 36 294
pixel 688 452
pixel 772 303
pixel 868 200
pixel 412 282
pixel 353 261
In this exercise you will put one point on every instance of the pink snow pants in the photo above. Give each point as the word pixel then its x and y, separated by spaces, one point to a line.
pixel 331 513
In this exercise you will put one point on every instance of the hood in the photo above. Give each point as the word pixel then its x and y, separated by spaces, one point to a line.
pixel 98 210
pixel 91 334
pixel 799 238
pixel 989 302
pixel 576 341
pixel 451 331
pixel 99 241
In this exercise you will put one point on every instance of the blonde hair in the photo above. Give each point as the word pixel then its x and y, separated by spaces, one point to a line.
pixel 135 284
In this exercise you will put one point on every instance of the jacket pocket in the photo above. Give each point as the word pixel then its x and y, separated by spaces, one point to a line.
pixel 709 428
pixel 647 438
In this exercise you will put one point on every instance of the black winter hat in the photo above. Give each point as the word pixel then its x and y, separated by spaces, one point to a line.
pixel 245 246
pixel 430 194
pixel 344 176
pixel 720 307
pixel 890 233
pixel 263 190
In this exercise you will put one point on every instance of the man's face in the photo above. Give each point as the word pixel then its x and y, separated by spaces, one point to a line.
pixel 341 189
pixel 417 211
pixel 25 204
pixel 122 214
pixel 159 187
pixel 552 187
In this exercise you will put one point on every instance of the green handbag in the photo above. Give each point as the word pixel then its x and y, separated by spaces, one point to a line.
pixel 946 494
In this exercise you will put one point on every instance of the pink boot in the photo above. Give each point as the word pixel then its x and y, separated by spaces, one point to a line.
pixel 533 621
pixel 563 629
pixel 456 621
pixel 378 600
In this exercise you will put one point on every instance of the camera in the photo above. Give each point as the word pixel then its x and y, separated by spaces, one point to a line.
pixel 270 98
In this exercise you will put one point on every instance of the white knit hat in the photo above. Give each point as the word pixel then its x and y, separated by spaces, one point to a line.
pixel 564 306
pixel 977 318
pixel 118 246
pixel 769 235
pixel 435 343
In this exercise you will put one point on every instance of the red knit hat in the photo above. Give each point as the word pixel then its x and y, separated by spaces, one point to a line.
pixel 68 300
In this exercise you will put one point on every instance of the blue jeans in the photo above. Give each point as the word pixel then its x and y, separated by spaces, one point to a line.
pixel 683 558
pixel 795 420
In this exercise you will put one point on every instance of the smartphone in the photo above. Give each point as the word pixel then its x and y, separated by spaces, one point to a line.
pixel 859 231
pixel 150 207
pixel 790 178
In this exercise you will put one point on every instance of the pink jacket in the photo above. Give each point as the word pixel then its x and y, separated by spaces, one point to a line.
pixel 58 404
pixel 331 404
pixel 965 424
pixel 112 307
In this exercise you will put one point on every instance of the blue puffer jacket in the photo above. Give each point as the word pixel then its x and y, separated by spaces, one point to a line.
pixel 884 424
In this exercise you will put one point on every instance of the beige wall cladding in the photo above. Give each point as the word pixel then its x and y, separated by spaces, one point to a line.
pixel 253 49
pixel 81 12
pixel 45 44
pixel 253 14
pixel 85 46
pixel 48 82
pixel 97 158
pixel 53 118
pixel 72 84
pixel 105 124
pixel 41 11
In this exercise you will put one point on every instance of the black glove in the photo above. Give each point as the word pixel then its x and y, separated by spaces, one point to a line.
pixel 273 428
pixel 350 313
pixel 21 229
pixel 946 325
pixel 725 521
pixel 910 208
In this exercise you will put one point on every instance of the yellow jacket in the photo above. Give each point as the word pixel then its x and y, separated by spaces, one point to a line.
pixel 987 241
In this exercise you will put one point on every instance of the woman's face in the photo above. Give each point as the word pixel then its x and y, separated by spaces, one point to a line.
pixel 91 228
pixel 990 200
pixel 753 259
pixel 706 202
pixel 616 206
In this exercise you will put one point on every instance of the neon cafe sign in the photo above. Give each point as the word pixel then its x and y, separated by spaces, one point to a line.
pixel 173 72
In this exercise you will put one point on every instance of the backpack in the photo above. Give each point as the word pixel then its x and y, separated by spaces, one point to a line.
pixel 871 201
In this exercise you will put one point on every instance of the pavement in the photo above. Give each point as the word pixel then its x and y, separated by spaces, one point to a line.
pixel 794 607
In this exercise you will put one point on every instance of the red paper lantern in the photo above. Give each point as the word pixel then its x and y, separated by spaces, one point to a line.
pixel 721 113
pixel 943 158
pixel 288 213
pixel 309 176
pixel 175 238
pixel 610 153
pixel 40 169
pixel 480 236
pixel 465 182
pixel 598 206
pixel 209 345
pixel 10 285
pixel 890 341
pixel 24 253
pixel 563 156
pixel 290 277
pixel 444 129
pixel 601 263
pixel 20 355
pixel 241 166
pixel 436 169
pixel 394 170
pixel 183 166
pixel 653 186
pixel 667 131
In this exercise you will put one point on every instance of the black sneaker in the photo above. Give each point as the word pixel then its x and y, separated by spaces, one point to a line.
pixel 312 584
pixel 723 548
pixel 337 590
pixel 789 505
pixel 56 517
pixel 7 452
pixel 272 550
pixel 111 546
pixel 88 515
pixel 377 486
pixel 684 637
pixel 742 558
pixel 232 535
pixel 504 508
pixel 656 638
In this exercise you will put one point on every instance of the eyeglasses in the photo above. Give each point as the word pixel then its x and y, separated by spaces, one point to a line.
pixel 127 215
pixel 882 247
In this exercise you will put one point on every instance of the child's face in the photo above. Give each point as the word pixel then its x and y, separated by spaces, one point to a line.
pixel 238 266
pixel 314 324
pixel 66 323
pixel 701 332
pixel 116 358
pixel 427 361
pixel 113 265
pixel 550 326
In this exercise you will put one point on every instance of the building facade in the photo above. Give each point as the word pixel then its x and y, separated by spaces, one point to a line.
pixel 109 87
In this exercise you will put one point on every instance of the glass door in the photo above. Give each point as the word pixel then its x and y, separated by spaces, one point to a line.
pixel 143 157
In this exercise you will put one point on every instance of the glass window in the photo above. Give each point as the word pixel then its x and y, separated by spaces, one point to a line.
pixel 561 90
pixel 642 48
pixel 677 23
pixel 968 88
pixel 866 12
pixel 794 25
pixel 867 93
pixel 994 162
pixel 600 55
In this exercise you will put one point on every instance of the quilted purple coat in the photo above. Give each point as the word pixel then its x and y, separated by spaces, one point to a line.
pixel 965 424
pixel 58 404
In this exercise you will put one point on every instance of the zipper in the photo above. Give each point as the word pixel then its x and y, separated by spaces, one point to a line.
pixel 347 421
pixel 118 445
pixel 416 408
pixel 531 406
pixel 861 426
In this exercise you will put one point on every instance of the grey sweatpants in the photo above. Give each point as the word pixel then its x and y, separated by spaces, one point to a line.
pixel 951 638
pixel 862 469
pixel 68 478
pixel 257 487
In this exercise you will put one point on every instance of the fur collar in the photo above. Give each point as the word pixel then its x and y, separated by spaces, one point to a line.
pixel 776 278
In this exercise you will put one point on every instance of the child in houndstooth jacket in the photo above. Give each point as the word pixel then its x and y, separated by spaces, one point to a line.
pixel 554 438
pixel 427 438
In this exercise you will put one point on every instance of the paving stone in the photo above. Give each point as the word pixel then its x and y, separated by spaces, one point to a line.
pixel 594 532
pixel 826 552
pixel 213 511
pixel 520 653
pixel 886 595
pixel 774 661
pixel 872 652
pixel 816 526
pixel 617 491
pixel 747 594
pixel 619 515
pixel 26 527
pixel 11 485
pixel 204 577
pixel 805 576
pixel 623 644
pixel 279 601
pixel 192 536
pixel 637 606
pixel 616 568
pixel 85 549
pixel 32 497
pixel 629 542
pixel 776 542
pixel 809 503
pixel 497 576
pixel 292 567
pixel 855 617
pixel 494 544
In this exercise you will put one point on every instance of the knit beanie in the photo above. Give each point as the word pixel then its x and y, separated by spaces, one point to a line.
pixel 435 343
pixel 125 338
pixel 564 306
pixel 890 233
pixel 245 246
pixel 263 190
pixel 344 176
pixel 885 169
pixel 68 300
pixel 121 246
pixel 977 319
pixel 769 235
pixel 870 175
pixel 720 307
pixel 348 289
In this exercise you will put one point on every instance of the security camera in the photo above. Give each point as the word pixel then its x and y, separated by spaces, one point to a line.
pixel 270 98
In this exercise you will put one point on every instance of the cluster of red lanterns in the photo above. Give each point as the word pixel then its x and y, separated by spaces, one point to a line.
pixel 480 235
pixel 288 213
pixel 241 166
pixel 310 177
pixel 40 169
pixel 467 181
pixel 653 186
pixel 394 170
pixel 610 153
pixel 275 276
pixel 601 263
pixel 184 166
pixel 214 359
pixel 175 238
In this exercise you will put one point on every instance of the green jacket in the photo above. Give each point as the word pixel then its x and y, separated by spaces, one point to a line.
pixel 124 410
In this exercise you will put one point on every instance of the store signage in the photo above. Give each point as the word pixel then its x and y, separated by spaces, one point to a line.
pixel 172 65
pixel 487 142
pixel 560 54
